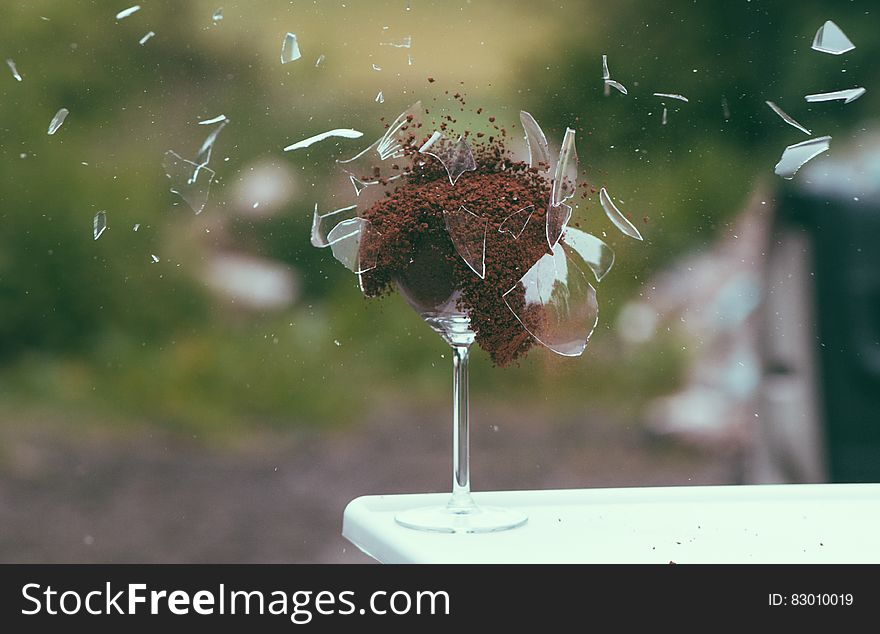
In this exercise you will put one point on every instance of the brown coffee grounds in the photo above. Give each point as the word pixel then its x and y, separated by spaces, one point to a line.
pixel 411 241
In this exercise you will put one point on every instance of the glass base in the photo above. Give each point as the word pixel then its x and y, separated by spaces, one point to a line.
pixel 474 519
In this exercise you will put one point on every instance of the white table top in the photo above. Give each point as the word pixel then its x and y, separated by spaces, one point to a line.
pixel 815 523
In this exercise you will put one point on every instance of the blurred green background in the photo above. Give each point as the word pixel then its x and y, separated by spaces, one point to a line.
pixel 96 330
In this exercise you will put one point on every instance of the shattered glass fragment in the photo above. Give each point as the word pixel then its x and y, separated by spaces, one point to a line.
pixel 565 176
pixel 516 222
pixel 557 220
pixel 456 157
pixel 605 73
pixel 375 67
pixel 725 109
pixel 787 118
pixel 146 38
pixel 154 258
pixel 663 121
pixel 539 149
pixel 555 302
pixel 99 224
pixel 217 119
pixel 616 84
pixel 435 136
pixel 290 49
pixel 57 120
pixel 189 180
pixel 409 59
pixel 380 98
pixel 850 94
pixel 217 15
pixel 136 226
pixel 346 133
pixel 597 255
pixel 127 12
pixel 203 156
pixel 671 95
pixel 831 39
pixel 354 243
pixel 616 216
pixel 468 233
pixel 320 229
pixel 320 59
pixel 403 43
pixel 795 156
pixel 14 70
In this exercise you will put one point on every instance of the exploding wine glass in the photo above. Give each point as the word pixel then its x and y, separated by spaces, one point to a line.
pixel 478 244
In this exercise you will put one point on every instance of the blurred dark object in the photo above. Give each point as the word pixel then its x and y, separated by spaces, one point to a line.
pixel 819 401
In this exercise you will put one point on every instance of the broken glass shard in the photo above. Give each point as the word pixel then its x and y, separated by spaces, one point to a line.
pixel 615 216
pixel 99 224
pixel 290 49
pixel 57 120
pixel 380 98
pixel 190 181
pixel 617 85
pixel 435 136
pixel 217 119
pixel 468 234
pixel 136 226
pixel 671 95
pixel 409 59
pixel 595 253
pixel 354 243
pixel 320 227
pixel 154 258
pixel 831 39
pixel 663 121
pixel 539 149
pixel 403 43
pixel 725 109
pixel 555 302
pixel 320 59
pixel 127 12
pixel 850 94
pixel 515 223
pixel 203 157
pixel 557 220
pixel 456 158
pixel 795 156
pixel 146 38
pixel 787 118
pixel 605 73
pixel 375 67
pixel 346 133
pixel 217 15
pixel 565 176
pixel 14 70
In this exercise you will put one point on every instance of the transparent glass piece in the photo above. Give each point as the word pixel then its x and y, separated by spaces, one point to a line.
pixel 725 109
pixel 557 220
pixel 376 67
pixel 127 12
pixel 850 94
pixel 320 59
pixel 380 98
pixel 217 119
pixel 57 120
pixel 190 181
pixel 405 42
pixel 99 224
pixel 320 229
pixel 146 38
pixel 346 133
pixel 456 157
pixel 565 175
pixel 787 118
pixel 671 95
pixel 831 39
pixel 203 157
pixel 595 253
pixel 353 244
pixel 516 222
pixel 663 120
pixel 217 16
pixel 555 302
pixel 795 156
pixel 136 226
pixel 154 258
pixel 468 233
pixel 539 149
pixel 409 59
pixel 616 84
pixel 605 73
pixel 614 215
pixel 14 70
pixel 290 49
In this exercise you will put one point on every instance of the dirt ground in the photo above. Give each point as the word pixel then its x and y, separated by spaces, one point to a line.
pixel 148 496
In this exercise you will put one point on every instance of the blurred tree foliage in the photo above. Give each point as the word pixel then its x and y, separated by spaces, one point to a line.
pixel 95 325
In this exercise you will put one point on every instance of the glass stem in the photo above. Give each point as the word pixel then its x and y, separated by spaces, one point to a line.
pixel 461 477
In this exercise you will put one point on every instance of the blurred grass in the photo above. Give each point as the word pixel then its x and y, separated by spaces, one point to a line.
pixel 96 329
